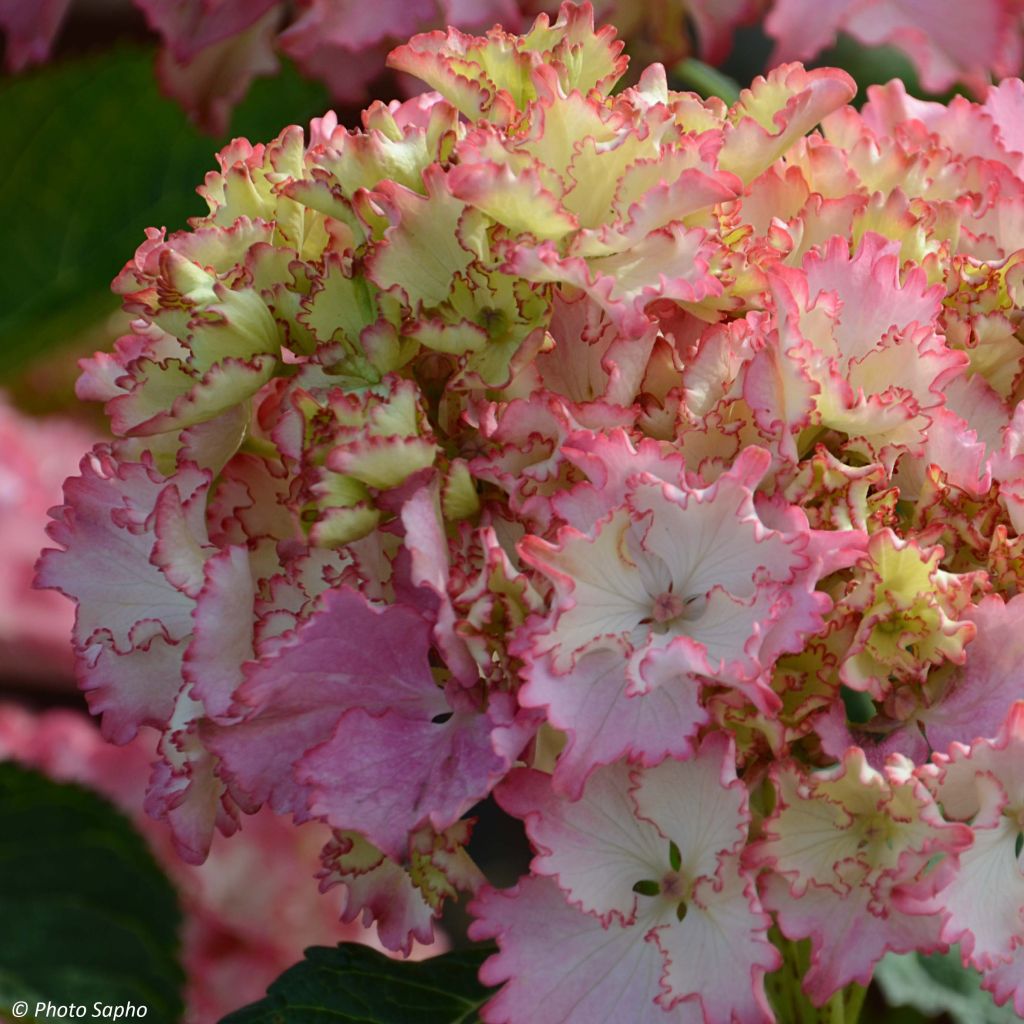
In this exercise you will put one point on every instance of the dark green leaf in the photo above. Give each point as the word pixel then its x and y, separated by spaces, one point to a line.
pixel 859 706
pixel 95 155
pixel 87 913
pixel 939 984
pixel 353 984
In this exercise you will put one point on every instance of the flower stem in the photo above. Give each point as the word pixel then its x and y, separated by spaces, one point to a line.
pixel 791 1004
pixel 705 80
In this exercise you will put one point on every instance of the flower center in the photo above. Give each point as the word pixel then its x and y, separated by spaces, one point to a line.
pixel 675 886
pixel 667 606
pixel 876 830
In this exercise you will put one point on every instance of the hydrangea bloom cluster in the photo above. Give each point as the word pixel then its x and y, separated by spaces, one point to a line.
pixel 599 451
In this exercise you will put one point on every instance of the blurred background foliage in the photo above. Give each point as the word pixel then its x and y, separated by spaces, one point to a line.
pixel 95 155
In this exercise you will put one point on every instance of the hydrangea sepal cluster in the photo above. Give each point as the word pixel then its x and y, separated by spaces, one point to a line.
pixel 595 450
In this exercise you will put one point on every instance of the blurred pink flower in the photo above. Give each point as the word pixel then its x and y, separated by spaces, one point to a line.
pixel 947 41
pixel 30 27
pixel 213 49
pixel 35 456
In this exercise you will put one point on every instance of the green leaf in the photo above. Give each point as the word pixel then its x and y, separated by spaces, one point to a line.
pixel 939 984
pixel 860 708
pixel 353 984
pixel 87 913
pixel 95 155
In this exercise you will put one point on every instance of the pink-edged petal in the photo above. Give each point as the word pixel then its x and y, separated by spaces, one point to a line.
pixel 656 851
pixel 590 360
pixel 727 545
pixel 706 609
pixel 698 804
pixel 776 110
pixel 132 688
pixel 886 822
pixel 517 200
pixel 562 966
pixel 979 691
pixel 875 295
pixel 222 640
pixel 594 847
pixel 986 900
pixel 718 955
pixel 344 656
pixel 849 931
pixel 604 592
pixel 984 785
pixel 378 889
pixel 420 252
pixel 386 775
pixel 671 262
pixel 604 721
pixel 1005 981
pixel 105 562
pixel 185 788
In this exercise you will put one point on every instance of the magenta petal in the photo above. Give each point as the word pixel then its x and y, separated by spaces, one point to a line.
pixel 345 656
pixel 386 775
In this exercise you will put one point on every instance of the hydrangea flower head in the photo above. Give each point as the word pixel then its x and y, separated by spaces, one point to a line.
pixel 652 463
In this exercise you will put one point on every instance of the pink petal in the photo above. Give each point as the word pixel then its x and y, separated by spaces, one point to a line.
pixel 849 931
pixel 190 26
pixel 595 847
pixel 718 955
pixel 30 27
pixel 946 41
pixel 222 640
pixel 343 657
pixel 386 775
pixel 562 966
pixel 35 626
pixel 208 79
pixel 979 691
pixel 605 722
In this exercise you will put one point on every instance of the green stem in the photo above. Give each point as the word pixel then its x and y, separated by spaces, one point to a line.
pixel 845 1006
pixel 836 1009
pixel 855 996
pixel 785 990
pixel 704 79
